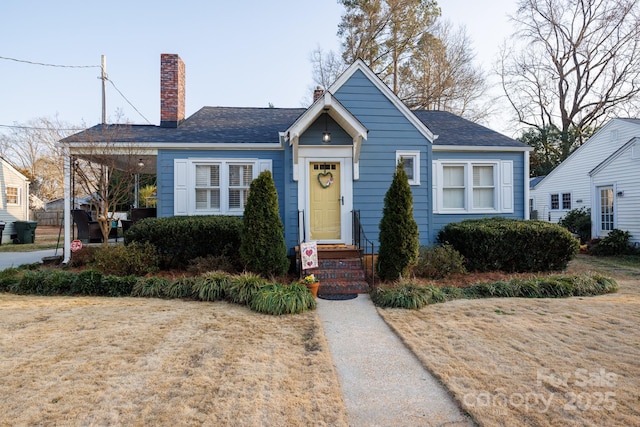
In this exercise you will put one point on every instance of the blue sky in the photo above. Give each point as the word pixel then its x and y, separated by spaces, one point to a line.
pixel 237 53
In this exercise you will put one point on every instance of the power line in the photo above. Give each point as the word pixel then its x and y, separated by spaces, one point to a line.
pixel 49 65
pixel 129 102
pixel 38 128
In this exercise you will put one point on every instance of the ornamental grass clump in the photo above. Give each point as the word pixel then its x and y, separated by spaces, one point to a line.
pixel 181 288
pixel 155 287
pixel 408 295
pixel 243 287
pixel 212 286
pixel 278 299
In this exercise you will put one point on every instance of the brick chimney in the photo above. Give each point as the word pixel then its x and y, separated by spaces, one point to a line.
pixel 172 90
pixel 317 93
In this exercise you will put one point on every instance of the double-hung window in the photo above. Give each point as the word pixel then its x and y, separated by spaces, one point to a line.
pixel 214 186
pixel 13 195
pixel 559 201
pixel 473 186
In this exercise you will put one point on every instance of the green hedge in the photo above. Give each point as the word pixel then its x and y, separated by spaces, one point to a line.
pixel 511 245
pixel 180 239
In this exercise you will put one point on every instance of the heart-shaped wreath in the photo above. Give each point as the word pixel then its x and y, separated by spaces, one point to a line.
pixel 327 183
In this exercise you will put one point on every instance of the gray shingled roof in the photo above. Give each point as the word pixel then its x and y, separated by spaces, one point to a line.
pixel 261 125
pixel 454 130
pixel 209 124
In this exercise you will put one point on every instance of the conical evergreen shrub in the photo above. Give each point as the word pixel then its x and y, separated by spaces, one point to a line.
pixel 263 248
pixel 399 242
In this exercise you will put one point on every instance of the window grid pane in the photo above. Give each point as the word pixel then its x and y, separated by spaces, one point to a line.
pixel 12 195
pixel 555 201
pixel 566 200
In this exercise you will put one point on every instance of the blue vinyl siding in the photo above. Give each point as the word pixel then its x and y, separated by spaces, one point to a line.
pixel 165 172
pixel 389 131
pixel 440 220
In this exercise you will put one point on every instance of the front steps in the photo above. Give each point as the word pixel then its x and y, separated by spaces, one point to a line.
pixel 340 270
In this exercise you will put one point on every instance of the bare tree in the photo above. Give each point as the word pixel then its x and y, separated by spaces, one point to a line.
pixel 440 75
pixel 327 66
pixel 575 63
pixel 105 166
pixel 33 148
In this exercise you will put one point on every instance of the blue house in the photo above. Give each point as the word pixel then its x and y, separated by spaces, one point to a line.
pixel 332 162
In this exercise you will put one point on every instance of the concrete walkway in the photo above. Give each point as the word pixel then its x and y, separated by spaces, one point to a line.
pixel 383 383
pixel 14 259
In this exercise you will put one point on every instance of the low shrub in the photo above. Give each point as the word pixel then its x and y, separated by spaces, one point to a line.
pixel 278 299
pixel 243 287
pixel 180 239
pixel 88 282
pixel 208 263
pixel 136 258
pixel 511 245
pixel 58 282
pixel 119 286
pixel 578 221
pixel 438 262
pixel 212 286
pixel 31 283
pixel 8 278
pixel 150 287
pixel 614 243
pixel 83 257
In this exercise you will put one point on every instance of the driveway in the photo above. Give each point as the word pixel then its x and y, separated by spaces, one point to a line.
pixel 14 259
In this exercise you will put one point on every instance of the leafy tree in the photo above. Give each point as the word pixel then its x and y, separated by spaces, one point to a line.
pixel 263 248
pixel 399 242
pixel 574 64
pixel 548 146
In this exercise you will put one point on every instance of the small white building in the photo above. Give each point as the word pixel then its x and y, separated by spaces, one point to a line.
pixel 615 187
pixel 14 198
pixel 569 186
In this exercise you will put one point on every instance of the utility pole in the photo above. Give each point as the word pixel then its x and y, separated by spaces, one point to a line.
pixel 103 77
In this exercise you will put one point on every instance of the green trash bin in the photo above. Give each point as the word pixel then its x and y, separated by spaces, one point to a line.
pixel 26 231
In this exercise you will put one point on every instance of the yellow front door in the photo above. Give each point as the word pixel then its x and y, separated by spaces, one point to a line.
pixel 324 201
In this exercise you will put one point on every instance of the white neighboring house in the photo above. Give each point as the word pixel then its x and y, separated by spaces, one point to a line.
pixel 14 198
pixel 569 186
pixel 615 186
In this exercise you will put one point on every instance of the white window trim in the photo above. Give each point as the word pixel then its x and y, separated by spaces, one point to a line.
pixel 19 195
pixel 184 184
pixel 503 186
pixel 416 164
pixel 560 194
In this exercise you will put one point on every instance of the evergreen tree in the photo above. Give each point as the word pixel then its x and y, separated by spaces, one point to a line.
pixel 398 229
pixel 263 248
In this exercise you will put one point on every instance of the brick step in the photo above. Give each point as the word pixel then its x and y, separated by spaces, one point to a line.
pixel 342 286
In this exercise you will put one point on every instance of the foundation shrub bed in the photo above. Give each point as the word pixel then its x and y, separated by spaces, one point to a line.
pixel 511 245
pixel 136 258
pixel 88 282
pixel 614 243
pixel 119 286
pixel 8 278
pixel 438 262
pixel 412 296
pixel 180 239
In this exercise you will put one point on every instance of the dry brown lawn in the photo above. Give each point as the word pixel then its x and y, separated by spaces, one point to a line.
pixel 131 361
pixel 523 362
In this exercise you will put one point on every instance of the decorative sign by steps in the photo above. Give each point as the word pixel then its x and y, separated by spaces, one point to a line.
pixel 309 251
pixel 76 245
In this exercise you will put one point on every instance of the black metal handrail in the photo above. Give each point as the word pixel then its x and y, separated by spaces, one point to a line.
pixel 304 239
pixel 363 244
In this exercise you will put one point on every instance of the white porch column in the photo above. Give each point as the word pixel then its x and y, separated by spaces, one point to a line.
pixel 67 206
